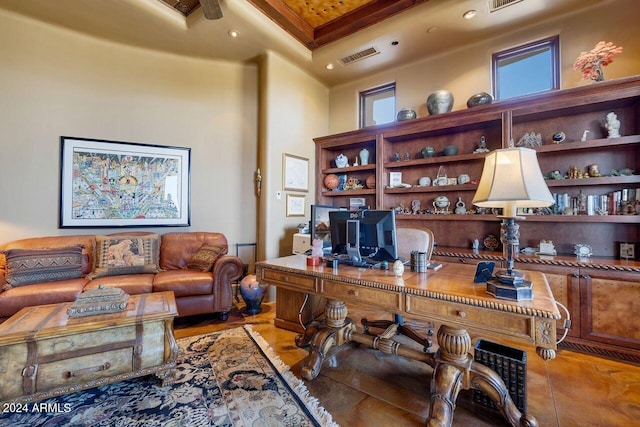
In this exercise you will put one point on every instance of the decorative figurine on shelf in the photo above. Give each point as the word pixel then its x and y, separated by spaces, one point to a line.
pixel 342 161
pixel 461 208
pixel 424 181
pixel 554 175
pixel 584 135
pixel 594 172
pixel 353 184
pixel 441 205
pixel 613 125
pixel 397 157
pixel 582 250
pixel 530 139
pixel 575 173
pixel 415 206
pixel 558 137
pixel 482 147
pixel 582 203
pixel 547 247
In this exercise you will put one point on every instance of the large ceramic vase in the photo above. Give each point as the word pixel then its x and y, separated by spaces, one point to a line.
pixel 252 293
pixel 439 102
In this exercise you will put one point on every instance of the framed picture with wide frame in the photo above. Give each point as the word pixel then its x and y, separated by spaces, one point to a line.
pixel 296 204
pixel 122 184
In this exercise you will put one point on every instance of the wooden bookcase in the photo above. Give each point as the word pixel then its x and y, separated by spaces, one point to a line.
pixel 397 147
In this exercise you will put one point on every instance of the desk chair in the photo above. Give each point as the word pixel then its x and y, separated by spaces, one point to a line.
pixel 408 239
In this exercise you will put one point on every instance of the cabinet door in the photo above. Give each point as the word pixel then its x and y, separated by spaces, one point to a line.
pixel 610 307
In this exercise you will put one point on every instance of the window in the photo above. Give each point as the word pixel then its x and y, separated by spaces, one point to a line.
pixel 527 69
pixel 378 105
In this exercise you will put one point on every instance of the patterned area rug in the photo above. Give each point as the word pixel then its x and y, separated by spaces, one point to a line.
pixel 227 378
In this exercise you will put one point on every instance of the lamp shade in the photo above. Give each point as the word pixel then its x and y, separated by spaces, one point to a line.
pixel 512 179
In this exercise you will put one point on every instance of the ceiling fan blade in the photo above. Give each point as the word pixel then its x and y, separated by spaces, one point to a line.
pixel 211 9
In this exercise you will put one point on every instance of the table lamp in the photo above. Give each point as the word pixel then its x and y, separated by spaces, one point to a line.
pixel 511 179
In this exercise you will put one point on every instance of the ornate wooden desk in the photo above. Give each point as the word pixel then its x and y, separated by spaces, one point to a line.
pixel 448 297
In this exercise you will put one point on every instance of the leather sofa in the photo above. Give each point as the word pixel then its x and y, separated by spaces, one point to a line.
pixel 195 291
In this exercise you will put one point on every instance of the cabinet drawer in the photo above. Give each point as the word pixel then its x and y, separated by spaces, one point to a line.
pixel 472 317
pixel 361 295
pixel 289 280
pixel 78 370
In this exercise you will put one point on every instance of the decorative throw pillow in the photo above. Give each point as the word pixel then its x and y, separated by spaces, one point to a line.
pixel 205 257
pixel 29 266
pixel 117 255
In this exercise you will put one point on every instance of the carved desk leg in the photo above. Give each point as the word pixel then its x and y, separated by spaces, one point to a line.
pixel 452 364
pixel 331 332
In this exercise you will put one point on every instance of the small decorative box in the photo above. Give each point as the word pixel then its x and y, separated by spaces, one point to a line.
pixel 99 300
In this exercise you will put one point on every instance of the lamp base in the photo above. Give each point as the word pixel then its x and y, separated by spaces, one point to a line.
pixel 511 288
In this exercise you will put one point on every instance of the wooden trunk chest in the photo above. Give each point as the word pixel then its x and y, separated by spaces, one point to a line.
pixel 44 353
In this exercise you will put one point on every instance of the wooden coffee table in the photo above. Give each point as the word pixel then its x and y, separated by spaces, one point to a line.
pixel 44 353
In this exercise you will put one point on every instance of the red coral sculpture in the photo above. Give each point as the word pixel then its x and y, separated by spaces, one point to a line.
pixel 590 63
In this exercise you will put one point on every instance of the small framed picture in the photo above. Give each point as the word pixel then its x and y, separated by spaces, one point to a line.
pixel 627 250
pixel 395 179
pixel 356 203
pixel 296 204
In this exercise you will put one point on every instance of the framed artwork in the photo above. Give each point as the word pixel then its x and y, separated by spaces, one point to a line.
pixel 121 184
pixel 356 203
pixel 295 173
pixel 627 250
pixel 295 204
pixel 395 179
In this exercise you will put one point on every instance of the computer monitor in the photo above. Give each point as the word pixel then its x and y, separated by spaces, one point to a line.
pixel 368 234
pixel 319 227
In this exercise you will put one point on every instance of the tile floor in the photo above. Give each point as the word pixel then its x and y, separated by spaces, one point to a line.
pixel 364 387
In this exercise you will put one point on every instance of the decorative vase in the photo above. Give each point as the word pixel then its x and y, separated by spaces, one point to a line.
pixel 481 98
pixel 364 156
pixel 428 152
pixel 342 161
pixel 406 114
pixel 252 293
pixel 450 150
pixel 439 102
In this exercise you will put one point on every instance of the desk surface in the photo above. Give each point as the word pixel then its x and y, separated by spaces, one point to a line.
pixel 452 283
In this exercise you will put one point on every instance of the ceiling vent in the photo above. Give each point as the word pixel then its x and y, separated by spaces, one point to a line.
pixel 495 5
pixel 359 56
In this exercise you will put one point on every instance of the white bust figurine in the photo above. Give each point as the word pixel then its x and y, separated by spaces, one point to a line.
pixel 613 125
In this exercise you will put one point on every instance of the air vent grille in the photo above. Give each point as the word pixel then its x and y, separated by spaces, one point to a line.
pixel 359 56
pixel 495 5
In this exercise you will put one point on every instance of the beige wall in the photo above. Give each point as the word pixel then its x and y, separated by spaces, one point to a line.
pixel 55 82
pixel 294 108
pixel 467 71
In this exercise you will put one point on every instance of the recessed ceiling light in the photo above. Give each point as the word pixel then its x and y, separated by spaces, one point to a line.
pixel 469 14
pixel 329 66
pixel 233 33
